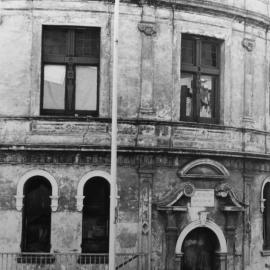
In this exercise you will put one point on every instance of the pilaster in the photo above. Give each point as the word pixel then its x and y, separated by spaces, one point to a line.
pixel 171 238
pixel 145 213
pixel 248 44
pixel 148 31
pixel 248 179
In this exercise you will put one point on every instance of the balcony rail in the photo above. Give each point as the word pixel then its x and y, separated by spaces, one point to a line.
pixel 70 261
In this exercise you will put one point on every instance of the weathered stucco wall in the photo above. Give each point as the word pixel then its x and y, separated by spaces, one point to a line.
pixel 66 223
pixel 242 71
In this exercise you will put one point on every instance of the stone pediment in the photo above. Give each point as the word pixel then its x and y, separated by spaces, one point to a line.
pixel 229 198
pixel 179 199
pixel 204 168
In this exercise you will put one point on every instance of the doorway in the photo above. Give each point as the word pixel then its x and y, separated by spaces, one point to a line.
pixel 199 248
pixel 96 214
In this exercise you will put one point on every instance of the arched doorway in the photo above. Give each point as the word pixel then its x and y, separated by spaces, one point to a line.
pixel 213 234
pixel 96 214
pixel 199 249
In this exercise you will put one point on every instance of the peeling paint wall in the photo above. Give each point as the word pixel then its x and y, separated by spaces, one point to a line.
pixel 21 78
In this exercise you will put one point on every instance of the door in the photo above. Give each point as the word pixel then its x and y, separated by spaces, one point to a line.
pixel 199 249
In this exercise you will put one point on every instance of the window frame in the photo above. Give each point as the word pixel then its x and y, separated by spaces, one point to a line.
pixel 70 61
pixel 197 69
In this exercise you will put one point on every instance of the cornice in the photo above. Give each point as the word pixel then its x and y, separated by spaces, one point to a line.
pixel 127 158
pixel 198 6
pixel 218 9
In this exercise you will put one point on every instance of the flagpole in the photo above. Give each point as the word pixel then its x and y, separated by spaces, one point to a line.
pixel 113 193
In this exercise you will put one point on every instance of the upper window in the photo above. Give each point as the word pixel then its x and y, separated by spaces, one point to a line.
pixel 70 69
pixel 200 71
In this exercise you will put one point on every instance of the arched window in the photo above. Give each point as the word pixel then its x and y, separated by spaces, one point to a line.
pixel 36 225
pixel 266 214
pixel 95 218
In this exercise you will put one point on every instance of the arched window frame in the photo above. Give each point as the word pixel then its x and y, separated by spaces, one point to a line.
pixel 82 182
pixel 262 200
pixel 20 188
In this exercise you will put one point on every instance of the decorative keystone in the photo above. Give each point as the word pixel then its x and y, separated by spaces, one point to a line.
pixel 203 217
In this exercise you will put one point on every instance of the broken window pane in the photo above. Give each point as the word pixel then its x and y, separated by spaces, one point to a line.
pixel 187 89
pixel 207 86
pixel 86 88
pixel 54 87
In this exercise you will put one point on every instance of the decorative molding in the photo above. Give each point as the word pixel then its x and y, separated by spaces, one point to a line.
pixel 79 200
pixel 54 202
pixel 19 196
pixel 225 190
pixel 197 224
pixel 147 28
pixel 223 172
pixel 188 189
pixel 19 202
pixel 203 217
pixel 145 212
pixel 248 44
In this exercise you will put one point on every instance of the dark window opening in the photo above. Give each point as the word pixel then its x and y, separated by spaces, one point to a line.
pixel 36 231
pixel 95 225
pixel 70 70
pixel 266 217
pixel 200 72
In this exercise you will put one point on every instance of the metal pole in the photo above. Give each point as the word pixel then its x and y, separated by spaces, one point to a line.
pixel 113 201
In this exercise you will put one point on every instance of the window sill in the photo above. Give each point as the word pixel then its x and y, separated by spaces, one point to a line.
pixel 265 252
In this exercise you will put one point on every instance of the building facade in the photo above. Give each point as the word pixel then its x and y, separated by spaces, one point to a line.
pixel 193 134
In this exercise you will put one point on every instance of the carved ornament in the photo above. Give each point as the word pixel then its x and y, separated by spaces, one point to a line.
pixel 248 44
pixel 189 190
pixel 203 217
pixel 225 190
pixel 148 28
